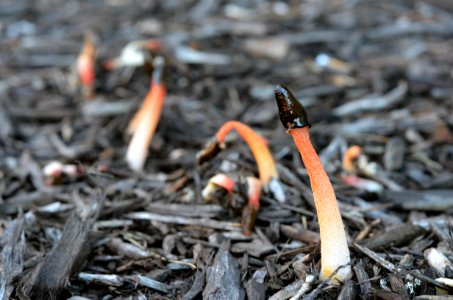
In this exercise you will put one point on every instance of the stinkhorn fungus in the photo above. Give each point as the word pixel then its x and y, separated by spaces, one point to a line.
pixel 349 157
pixel 54 172
pixel 258 145
pixel 220 189
pixel 334 246
pixel 354 163
pixel 220 185
pixel 145 121
pixel 250 211
pixel 86 65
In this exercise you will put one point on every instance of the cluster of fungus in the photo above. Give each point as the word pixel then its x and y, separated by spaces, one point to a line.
pixel 335 258
pixel 221 186
pixel 267 170
pixel 144 123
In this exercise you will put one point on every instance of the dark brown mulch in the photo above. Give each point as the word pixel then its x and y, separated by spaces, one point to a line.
pixel 110 233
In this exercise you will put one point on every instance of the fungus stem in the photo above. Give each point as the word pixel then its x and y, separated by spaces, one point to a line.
pixel 257 144
pixel 250 211
pixel 334 246
pixel 85 65
pixel 349 157
pixel 146 120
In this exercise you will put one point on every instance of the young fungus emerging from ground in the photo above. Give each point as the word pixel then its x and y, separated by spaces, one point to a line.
pixel 334 246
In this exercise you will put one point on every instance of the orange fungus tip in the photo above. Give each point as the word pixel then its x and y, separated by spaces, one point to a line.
pixel 218 181
pixel 349 156
pixel 153 45
pixel 253 191
pixel 223 181
pixel 86 60
pixel 266 165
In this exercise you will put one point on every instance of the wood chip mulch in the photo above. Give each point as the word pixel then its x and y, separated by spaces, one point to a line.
pixel 377 74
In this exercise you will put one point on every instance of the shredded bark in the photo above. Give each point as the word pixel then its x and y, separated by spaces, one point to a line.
pixel 77 223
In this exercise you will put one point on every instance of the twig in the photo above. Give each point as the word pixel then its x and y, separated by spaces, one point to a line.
pixel 373 103
pixel 147 216
pixel 157 255
pixel 317 290
pixel 395 236
pixel 396 269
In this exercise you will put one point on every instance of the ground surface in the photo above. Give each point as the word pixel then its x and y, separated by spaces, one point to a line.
pixel 111 233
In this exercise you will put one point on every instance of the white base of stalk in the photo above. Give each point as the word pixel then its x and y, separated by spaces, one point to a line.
pixel 276 189
pixel 343 274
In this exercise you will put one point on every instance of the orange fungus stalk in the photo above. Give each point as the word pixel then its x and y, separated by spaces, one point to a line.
pixel 266 165
pixel 334 246
pixel 250 211
pixel 145 122
pixel 86 65
pixel 258 145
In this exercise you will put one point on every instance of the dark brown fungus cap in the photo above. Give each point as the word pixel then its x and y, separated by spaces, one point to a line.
pixel 292 113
